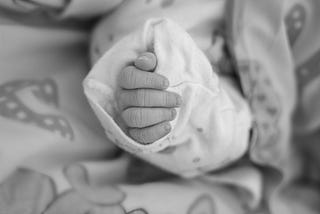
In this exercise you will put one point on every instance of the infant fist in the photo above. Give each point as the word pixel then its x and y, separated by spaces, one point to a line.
pixel 146 107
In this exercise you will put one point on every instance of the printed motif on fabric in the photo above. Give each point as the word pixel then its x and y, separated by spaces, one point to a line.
pixel 295 21
pixel 21 101
pixel 266 108
pixel 29 192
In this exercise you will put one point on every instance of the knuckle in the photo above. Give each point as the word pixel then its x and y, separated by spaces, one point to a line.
pixel 134 117
pixel 142 97
pixel 155 80
pixel 149 79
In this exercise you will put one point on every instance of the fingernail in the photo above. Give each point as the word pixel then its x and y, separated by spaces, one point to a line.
pixel 167 127
pixel 178 100
pixel 173 113
pixel 166 83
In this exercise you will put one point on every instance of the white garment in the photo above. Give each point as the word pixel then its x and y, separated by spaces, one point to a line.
pixel 211 128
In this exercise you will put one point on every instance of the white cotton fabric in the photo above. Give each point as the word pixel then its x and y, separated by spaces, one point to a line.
pixel 212 126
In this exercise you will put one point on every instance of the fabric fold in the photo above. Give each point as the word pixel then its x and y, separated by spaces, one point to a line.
pixel 209 132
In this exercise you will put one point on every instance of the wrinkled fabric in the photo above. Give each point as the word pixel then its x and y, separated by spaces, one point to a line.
pixel 213 124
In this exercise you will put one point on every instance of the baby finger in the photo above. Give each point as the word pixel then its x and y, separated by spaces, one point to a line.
pixel 150 134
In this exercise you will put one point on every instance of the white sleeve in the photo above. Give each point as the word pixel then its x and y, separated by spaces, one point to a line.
pixel 212 126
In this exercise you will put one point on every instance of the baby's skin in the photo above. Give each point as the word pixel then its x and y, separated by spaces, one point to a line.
pixel 145 104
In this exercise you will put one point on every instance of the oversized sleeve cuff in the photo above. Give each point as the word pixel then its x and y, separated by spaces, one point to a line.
pixel 208 130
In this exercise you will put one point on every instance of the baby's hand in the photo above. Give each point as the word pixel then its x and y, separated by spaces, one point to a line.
pixel 146 106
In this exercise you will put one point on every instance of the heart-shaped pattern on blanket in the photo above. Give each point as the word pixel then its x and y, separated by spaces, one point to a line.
pixel 26 192
pixel 266 107
pixel 202 205
pixel 15 95
pixel 166 3
pixel 138 211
